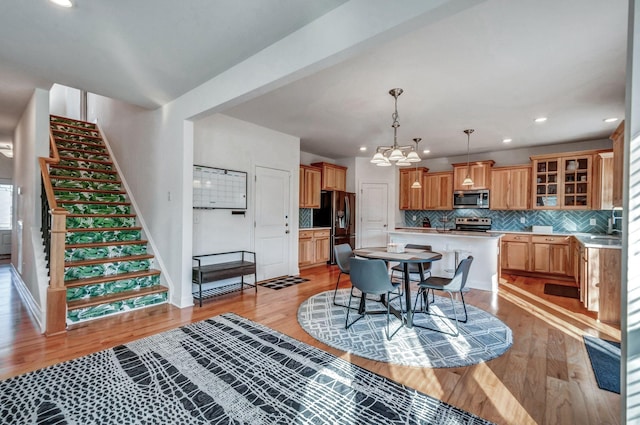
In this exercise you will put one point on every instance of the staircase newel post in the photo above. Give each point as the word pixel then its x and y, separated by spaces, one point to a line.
pixel 56 292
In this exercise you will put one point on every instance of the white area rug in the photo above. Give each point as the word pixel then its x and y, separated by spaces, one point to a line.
pixel 483 337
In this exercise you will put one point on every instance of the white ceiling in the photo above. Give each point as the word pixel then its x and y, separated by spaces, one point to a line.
pixel 493 67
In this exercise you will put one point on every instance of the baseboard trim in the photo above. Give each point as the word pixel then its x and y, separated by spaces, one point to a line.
pixel 32 307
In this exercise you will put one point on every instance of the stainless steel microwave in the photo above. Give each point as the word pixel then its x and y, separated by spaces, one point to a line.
pixel 471 199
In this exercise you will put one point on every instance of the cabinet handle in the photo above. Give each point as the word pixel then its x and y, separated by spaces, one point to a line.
pixel 549 239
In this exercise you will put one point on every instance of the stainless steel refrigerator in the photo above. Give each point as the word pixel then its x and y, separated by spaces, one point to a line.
pixel 337 211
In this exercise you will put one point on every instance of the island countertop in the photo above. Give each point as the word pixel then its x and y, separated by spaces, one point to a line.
pixel 447 232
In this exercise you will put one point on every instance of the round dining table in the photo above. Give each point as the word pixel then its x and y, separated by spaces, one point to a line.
pixel 410 255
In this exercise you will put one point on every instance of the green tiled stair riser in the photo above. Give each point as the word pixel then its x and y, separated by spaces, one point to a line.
pixel 80 315
pixel 78 131
pixel 96 208
pixel 88 146
pixel 84 292
pixel 85 164
pixel 106 236
pixel 106 269
pixel 111 251
pixel 97 175
pixel 67 121
pixel 89 196
pixel 89 222
pixel 97 156
pixel 84 184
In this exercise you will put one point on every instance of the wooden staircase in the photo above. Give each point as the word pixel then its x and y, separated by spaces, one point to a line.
pixel 106 267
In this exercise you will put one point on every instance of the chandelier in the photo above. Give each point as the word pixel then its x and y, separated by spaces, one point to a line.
pixel 467 180
pixel 402 155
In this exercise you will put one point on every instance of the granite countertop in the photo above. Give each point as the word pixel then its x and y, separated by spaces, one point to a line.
pixel 588 240
pixel 446 232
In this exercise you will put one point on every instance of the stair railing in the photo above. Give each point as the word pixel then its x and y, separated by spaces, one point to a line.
pixel 54 229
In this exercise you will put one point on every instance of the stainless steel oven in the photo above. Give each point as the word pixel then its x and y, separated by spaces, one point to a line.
pixel 471 199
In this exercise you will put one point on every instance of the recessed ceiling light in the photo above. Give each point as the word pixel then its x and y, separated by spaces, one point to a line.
pixel 541 119
pixel 363 148
pixel 426 151
pixel 63 3
pixel 507 140
pixel 610 119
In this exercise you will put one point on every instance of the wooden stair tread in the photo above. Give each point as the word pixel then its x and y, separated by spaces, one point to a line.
pixel 96 143
pixel 114 277
pixel 73 158
pixel 66 149
pixel 105 299
pixel 92 170
pixel 89 189
pixel 58 201
pixel 100 229
pixel 100 244
pixel 107 260
pixel 75 133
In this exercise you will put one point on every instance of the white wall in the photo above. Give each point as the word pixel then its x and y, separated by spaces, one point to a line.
pixel 64 101
pixel 31 141
pixel 224 142
pixel 6 167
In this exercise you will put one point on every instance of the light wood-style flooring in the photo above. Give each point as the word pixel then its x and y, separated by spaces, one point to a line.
pixel 544 378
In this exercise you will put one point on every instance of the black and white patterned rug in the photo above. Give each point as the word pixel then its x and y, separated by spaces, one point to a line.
pixel 482 338
pixel 220 371
pixel 282 282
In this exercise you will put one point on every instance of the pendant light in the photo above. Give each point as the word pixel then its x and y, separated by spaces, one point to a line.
pixel 467 180
pixel 416 184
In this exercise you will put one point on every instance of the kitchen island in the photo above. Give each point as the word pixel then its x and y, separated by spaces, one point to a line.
pixel 484 247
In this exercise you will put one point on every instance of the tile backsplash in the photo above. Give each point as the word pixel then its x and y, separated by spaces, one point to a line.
pixel 562 221
pixel 304 218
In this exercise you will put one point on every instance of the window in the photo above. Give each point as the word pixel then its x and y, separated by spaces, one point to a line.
pixel 6 203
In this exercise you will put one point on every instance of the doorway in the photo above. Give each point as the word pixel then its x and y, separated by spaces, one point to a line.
pixel 374 214
pixel 273 222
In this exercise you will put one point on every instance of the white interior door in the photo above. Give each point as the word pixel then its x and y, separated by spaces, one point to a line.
pixel 273 230
pixel 373 214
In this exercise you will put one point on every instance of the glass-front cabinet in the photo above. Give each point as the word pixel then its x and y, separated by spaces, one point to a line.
pixel 545 174
pixel 562 182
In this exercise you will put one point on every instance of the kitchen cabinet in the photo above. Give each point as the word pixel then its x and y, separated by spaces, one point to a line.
pixel 437 191
pixel 550 254
pixel 410 198
pixel 603 181
pixel 562 182
pixel 310 183
pixel 618 165
pixel 334 177
pixel 600 281
pixel 510 188
pixel 515 252
pixel 480 172
pixel 313 247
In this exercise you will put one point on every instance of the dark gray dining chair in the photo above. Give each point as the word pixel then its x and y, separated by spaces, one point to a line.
pixel 450 286
pixel 372 277
pixel 342 253
pixel 421 269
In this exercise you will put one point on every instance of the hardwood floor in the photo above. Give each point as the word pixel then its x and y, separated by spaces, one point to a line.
pixel 544 378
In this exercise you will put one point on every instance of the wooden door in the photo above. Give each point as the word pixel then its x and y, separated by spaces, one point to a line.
pixel 515 255
pixel 618 164
pixel 306 250
pixel 519 188
pixel 541 257
pixel 312 187
pixel 340 179
pixel 410 198
pixel 500 189
pixel 558 258
pixel 321 245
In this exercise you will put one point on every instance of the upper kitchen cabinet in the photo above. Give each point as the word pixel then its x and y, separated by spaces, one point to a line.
pixel 510 188
pixel 310 182
pixel 603 181
pixel 562 182
pixel 437 191
pixel 411 198
pixel 480 172
pixel 334 177
pixel 618 164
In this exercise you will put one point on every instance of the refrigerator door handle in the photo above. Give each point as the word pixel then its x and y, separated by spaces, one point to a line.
pixel 347 211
